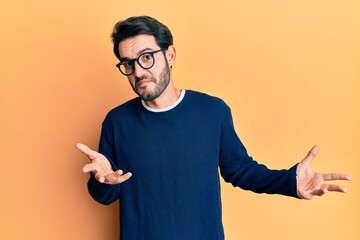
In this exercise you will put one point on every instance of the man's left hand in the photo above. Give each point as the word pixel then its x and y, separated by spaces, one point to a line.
pixel 311 183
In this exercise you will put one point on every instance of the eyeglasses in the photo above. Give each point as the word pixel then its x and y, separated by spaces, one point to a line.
pixel 145 60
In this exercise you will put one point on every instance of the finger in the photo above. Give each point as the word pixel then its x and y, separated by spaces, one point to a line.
pixel 120 177
pixel 89 168
pixel 99 177
pixel 117 177
pixel 308 195
pixel 304 194
pixel 86 150
pixel 336 176
pixel 335 188
pixel 320 192
pixel 102 179
pixel 328 188
pixel 311 154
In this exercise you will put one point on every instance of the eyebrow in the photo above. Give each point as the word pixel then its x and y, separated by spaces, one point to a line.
pixel 138 53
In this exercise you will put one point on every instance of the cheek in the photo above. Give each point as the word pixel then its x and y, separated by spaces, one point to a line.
pixel 158 70
pixel 131 80
pixel 159 65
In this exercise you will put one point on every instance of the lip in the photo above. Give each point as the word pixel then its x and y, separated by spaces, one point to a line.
pixel 144 82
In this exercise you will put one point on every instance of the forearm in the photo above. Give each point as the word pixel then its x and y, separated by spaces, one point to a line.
pixel 258 178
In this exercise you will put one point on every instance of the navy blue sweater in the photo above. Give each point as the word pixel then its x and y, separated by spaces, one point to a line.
pixel 174 156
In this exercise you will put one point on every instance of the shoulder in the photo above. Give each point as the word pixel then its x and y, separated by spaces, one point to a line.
pixel 127 109
pixel 206 101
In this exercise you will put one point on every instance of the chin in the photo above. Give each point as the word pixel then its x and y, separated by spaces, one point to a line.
pixel 148 96
pixel 145 95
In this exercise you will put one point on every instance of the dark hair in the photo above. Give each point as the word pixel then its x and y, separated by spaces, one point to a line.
pixel 134 26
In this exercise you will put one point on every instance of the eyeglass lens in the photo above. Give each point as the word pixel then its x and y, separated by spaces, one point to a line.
pixel 145 60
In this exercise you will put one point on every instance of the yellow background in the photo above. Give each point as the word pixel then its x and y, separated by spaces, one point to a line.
pixel 290 71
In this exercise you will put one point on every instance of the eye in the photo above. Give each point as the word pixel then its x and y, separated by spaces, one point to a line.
pixel 127 64
pixel 146 57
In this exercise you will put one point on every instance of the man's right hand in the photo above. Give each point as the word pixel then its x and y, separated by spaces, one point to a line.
pixel 100 166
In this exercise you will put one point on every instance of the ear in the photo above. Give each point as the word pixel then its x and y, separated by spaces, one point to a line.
pixel 171 55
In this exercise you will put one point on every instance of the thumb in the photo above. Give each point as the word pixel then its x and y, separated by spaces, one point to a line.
pixel 311 154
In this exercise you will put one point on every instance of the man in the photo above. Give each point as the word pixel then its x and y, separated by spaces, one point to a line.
pixel 171 144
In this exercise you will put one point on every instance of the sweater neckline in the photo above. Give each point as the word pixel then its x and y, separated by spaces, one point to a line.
pixel 159 110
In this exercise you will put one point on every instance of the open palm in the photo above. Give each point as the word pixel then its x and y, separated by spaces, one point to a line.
pixel 311 183
pixel 100 166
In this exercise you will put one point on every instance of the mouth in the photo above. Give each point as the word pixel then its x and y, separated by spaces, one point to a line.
pixel 143 83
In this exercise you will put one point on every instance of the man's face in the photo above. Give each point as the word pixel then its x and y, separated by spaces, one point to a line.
pixel 147 83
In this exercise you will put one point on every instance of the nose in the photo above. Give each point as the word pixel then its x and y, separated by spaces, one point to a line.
pixel 138 70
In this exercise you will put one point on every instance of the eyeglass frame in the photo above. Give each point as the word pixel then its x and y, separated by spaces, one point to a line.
pixel 132 61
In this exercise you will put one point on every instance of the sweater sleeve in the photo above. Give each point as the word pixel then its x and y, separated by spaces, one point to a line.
pixel 238 168
pixel 101 192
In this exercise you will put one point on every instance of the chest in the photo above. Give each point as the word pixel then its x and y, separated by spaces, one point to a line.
pixel 168 146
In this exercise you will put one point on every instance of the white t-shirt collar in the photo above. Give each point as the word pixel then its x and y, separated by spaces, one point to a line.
pixel 182 94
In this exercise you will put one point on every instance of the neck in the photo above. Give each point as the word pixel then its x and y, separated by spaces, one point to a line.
pixel 166 99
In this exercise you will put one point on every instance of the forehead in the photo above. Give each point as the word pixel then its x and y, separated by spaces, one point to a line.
pixel 133 46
